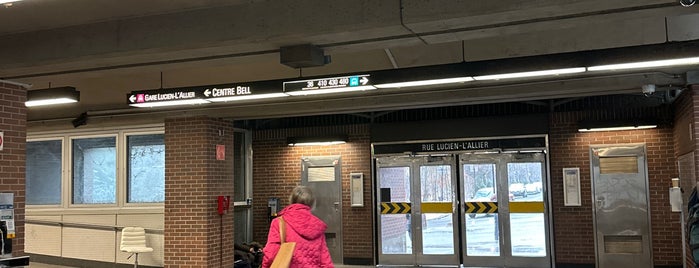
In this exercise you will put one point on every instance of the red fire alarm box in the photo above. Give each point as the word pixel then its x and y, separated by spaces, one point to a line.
pixel 224 202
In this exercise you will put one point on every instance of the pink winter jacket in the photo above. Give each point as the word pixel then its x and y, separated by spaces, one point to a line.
pixel 307 230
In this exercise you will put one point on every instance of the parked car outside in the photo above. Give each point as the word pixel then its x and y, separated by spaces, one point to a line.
pixel 486 194
pixel 518 189
pixel 533 188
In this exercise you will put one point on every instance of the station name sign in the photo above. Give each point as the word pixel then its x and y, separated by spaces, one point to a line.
pixel 338 83
pixel 160 96
pixel 203 93
pixel 452 146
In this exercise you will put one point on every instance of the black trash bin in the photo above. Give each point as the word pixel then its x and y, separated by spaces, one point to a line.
pixel 6 243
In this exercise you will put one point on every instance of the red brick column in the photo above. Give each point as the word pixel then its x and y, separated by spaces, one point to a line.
pixel 13 115
pixel 195 235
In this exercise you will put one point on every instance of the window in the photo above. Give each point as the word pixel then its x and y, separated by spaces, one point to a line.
pixel 146 168
pixel 43 173
pixel 94 171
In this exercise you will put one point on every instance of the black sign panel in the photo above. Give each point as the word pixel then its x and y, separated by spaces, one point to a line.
pixel 328 83
pixel 452 146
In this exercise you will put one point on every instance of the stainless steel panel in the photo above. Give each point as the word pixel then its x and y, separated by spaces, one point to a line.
pixel 621 206
pixel 323 175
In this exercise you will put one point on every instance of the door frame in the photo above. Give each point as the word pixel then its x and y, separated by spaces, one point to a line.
pixel 501 161
pixel 417 255
pixel 515 143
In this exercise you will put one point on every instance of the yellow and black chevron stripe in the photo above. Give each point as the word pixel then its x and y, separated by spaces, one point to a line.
pixel 481 207
pixel 395 208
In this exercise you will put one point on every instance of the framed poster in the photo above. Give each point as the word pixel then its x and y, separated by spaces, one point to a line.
pixel 357 189
pixel 571 187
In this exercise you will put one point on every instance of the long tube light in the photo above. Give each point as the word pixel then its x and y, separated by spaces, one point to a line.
pixel 530 74
pixel 50 96
pixel 248 97
pixel 329 90
pixel 169 103
pixel 645 64
pixel 426 82
pixel 619 128
pixel 8 1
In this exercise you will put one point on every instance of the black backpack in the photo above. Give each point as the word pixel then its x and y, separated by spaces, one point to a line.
pixel 693 224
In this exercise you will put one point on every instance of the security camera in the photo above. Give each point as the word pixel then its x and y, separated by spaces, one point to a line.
pixel 648 89
pixel 687 3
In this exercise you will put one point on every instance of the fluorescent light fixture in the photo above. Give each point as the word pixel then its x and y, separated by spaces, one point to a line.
pixel 8 1
pixel 530 74
pixel 320 143
pixel 51 96
pixel 329 90
pixel 169 103
pixel 645 64
pixel 593 129
pixel 248 97
pixel 426 82
pixel 316 141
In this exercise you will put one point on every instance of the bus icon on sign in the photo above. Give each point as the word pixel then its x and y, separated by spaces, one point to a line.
pixel 354 81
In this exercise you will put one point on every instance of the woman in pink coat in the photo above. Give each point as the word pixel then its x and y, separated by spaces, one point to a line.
pixel 302 227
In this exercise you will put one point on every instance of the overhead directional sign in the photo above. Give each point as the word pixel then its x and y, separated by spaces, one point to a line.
pixel 481 207
pixel 339 83
pixel 395 208
pixel 162 95
pixel 219 92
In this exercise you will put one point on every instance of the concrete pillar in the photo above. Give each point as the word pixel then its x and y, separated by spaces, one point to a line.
pixel 13 118
pixel 195 234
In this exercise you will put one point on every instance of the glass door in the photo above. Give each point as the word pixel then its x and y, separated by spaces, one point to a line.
pixel 504 220
pixel 416 210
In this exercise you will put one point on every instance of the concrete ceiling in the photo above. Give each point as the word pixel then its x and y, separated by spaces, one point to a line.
pixel 108 48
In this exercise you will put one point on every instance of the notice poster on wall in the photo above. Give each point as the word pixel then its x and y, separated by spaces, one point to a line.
pixel 357 189
pixel 571 186
pixel 7 213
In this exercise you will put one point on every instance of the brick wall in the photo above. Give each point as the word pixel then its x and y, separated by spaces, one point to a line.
pixel 277 170
pixel 12 157
pixel 195 235
pixel 573 226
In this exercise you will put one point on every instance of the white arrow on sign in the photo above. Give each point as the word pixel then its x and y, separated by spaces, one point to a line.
pixel 364 80
pixel 207 92
pixel 132 98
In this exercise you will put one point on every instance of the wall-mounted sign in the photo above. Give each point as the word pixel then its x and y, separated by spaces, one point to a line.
pixel 359 82
pixel 450 146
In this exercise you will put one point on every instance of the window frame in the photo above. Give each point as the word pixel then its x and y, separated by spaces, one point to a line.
pixel 67 138
pixel 62 175
pixel 124 184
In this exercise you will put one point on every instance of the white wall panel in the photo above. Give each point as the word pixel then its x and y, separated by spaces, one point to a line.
pixel 148 221
pixel 89 244
pixel 42 239
pixel 101 220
